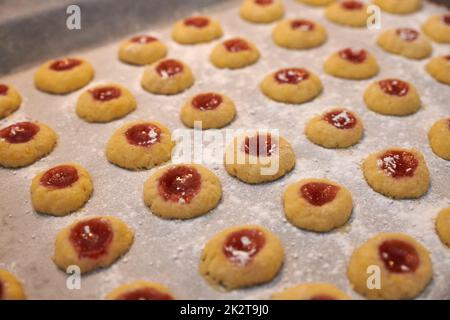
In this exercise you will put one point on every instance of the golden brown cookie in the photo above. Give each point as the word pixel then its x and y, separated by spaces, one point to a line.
pixel 23 143
pixel 63 76
pixel 443 226
pixel 142 50
pixel 398 173
pixel 311 291
pixel 140 145
pixel 182 191
pixel 335 128
pixel 140 290
pixel 352 13
pixel 438 28
pixel 234 53
pixel 299 34
pixel 406 42
pixel 241 256
pixel 196 29
pixel 399 6
pixel 167 77
pixel 10 287
pixel 317 204
pixel 402 264
pixel 257 157
pixel 393 97
pixel 261 11
pixel 61 190
pixel 439 138
pixel 292 85
pixel 351 63
pixel 439 68
pixel 10 100
pixel 212 110
pixel 92 242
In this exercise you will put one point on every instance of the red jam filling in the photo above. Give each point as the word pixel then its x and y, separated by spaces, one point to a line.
pixel 143 135
pixel 59 177
pixel 207 101
pixel 291 76
pixel 1 290
pixel 169 68
pixel 241 246
pixel 322 297
pixel 180 184
pixel 20 132
pixel 197 22
pixel 394 87
pixel 318 193
pixel 407 34
pixel 263 2
pixel 355 56
pixel 302 24
pixel 143 39
pixel 398 164
pixel 145 294
pixel 447 57
pixel 236 45
pixel 3 89
pixel 352 5
pixel 399 256
pixel 340 119
pixel 448 124
pixel 260 145
pixel 446 19
pixel 91 238
pixel 105 93
pixel 65 64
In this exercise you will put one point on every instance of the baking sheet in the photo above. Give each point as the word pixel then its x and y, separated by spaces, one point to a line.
pixel 169 251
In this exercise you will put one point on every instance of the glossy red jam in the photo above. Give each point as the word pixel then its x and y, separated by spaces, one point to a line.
pixel 447 57
pixel 302 24
pixel 352 55
pixel 20 132
pixel 352 5
pixel 340 119
pixel 206 101
pixel 407 34
pixel 143 39
pixel 394 87
pixel 169 68
pixel 60 177
pixel 198 22
pixel 263 2
pixel 236 45
pixel 180 184
pixel 105 93
pixel 3 89
pixel 398 164
pixel 91 238
pixel 260 145
pixel 291 76
pixel 143 135
pixel 322 297
pixel 318 193
pixel 1 290
pixel 399 256
pixel 241 246
pixel 65 64
pixel 446 19
pixel 145 294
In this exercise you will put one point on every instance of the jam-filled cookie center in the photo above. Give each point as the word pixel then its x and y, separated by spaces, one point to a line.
pixel 353 55
pixel 1 290
pixel 291 76
pixel 143 39
pixel 236 45
pixel 145 294
pixel 407 34
pixel 3 89
pixel 65 64
pixel 446 19
pixel 91 238
pixel 352 5
pixel 180 184
pixel 260 145
pixel 302 25
pixel 241 246
pixel 143 135
pixel 398 164
pixel 318 193
pixel 207 101
pixel 106 93
pixel 394 87
pixel 341 119
pixel 169 68
pixel 20 132
pixel 197 22
pixel 59 177
pixel 399 256
pixel 263 2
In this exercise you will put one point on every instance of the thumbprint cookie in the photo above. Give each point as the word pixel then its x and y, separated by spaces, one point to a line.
pixel 443 226
pixel 405 42
pixel 349 63
pixel 91 243
pixel 439 68
pixel 438 28
pixel 261 11
pixel 399 6
pixel 241 256
pixel 10 287
pixel 141 290
pixel 299 34
pixel 234 53
pixel 439 138
pixel 140 145
pixel 311 291
pixel 23 143
pixel 196 29
pixel 63 76
pixel 61 190
pixel 400 263
pixel 141 50
pixel 352 13
pixel 182 191
pixel 10 100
